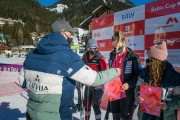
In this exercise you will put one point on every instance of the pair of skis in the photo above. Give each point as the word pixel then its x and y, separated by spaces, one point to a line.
pixel 80 105
pixel 81 101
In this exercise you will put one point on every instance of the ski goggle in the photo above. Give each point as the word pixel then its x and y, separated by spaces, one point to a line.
pixel 93 45
pixel 93 49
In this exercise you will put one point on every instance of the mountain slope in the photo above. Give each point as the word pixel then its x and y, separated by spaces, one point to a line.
pixel 79 10
pixel 35 16
pixel 38 19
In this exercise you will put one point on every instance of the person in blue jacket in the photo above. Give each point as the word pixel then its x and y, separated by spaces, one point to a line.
pixel 50 73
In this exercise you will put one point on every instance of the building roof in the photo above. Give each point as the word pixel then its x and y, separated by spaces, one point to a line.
pixel 101 9
pixel 86 22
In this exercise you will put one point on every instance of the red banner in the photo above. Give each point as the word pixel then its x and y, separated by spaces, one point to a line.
pixel 161 8
pixel 131 29
pixel 143 26
pixel 140 53
pixel 171 38
pixel 151 96
pixel 104 21
pixel 104 45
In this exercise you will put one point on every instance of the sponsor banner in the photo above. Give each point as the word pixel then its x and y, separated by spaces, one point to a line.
pixel 174 57
pixel 131 29
pixel 106 55
pixel 130 15
pixel 10 67
pixel 104 21
pixel 135 42
pixel 104 45
pixel 104 33
pixel 163 24
pixel 171 38
pixel 145 55
pixel 161 8
pixel 140 53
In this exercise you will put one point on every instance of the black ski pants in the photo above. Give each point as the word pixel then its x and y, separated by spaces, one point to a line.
pixel 92 97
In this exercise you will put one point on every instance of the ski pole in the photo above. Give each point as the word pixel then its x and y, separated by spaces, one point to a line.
pixel 81 102
pixel 87 103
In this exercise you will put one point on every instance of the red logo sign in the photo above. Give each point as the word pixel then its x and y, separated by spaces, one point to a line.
pixel 104 21
pixel 161 8
pixel 104 45
pixel 169 23
pixel 100 22
pixel 172 39
pixel 171 20
pixel 131 29
pixel 96 35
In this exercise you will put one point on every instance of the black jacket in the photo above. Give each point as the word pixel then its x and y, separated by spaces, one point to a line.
pixel 131 69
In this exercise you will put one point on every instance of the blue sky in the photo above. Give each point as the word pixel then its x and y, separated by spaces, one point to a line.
pixel 136 2
pixel 141 2
pixel 47 2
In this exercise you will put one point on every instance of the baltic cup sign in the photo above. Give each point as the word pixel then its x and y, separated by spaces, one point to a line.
pixel 143 26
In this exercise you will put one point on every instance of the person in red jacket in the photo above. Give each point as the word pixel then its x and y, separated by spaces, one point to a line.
pixel 93 95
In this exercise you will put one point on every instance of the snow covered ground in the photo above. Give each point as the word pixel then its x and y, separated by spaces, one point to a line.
pixel 13 98
pixel 11 60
